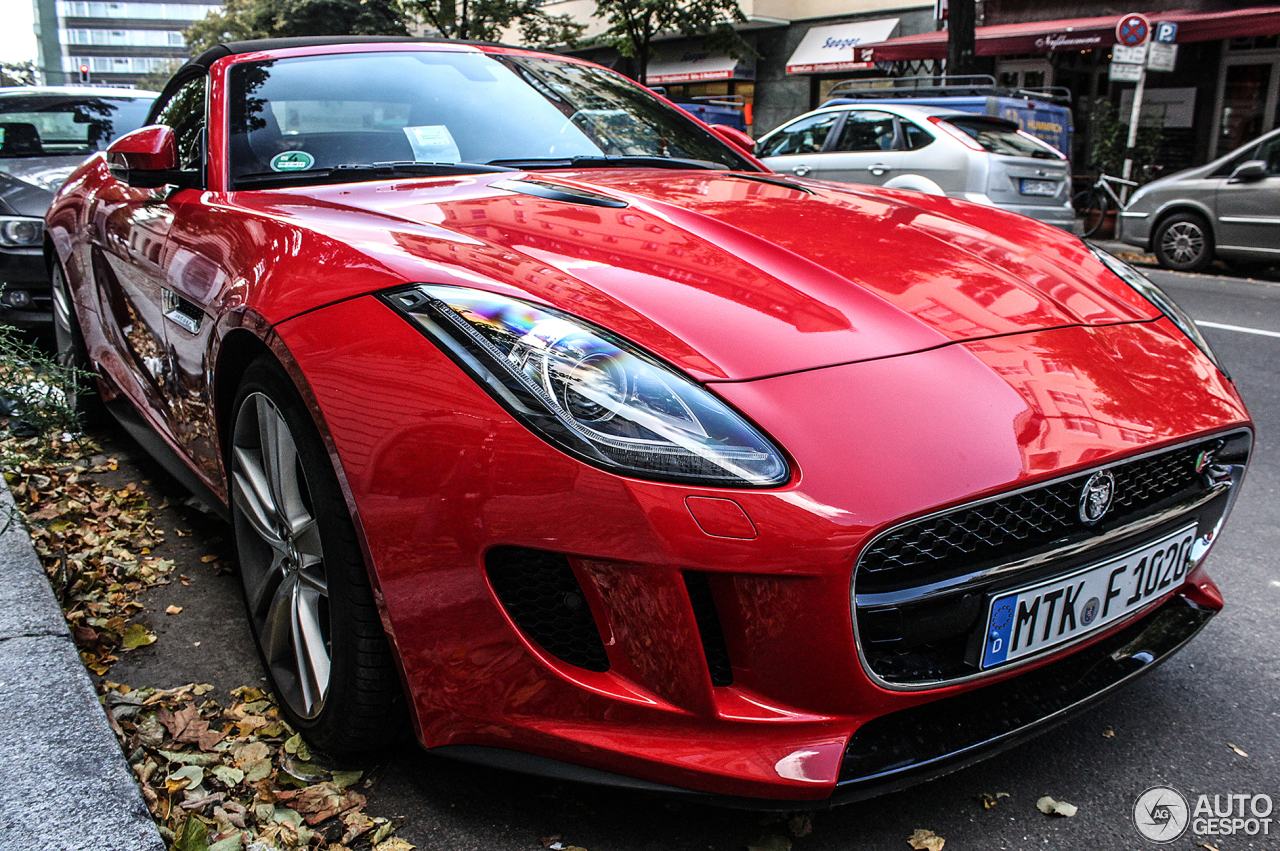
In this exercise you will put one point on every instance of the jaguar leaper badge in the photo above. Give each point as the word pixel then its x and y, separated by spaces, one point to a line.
pixel 1096 496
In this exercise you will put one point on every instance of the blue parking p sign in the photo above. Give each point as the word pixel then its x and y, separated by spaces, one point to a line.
pixel 1166 32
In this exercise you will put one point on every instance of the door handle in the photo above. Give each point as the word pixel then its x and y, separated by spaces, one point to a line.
pixel 878 169
pixel 801 170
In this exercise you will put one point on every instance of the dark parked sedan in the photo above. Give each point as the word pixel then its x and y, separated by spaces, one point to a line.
pixel 45 132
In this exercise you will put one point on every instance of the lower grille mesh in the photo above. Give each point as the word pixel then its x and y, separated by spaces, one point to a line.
pixel 541 594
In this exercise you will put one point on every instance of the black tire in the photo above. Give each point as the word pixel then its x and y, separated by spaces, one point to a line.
pixel 306 587
pixel 1091 211
pixel 71 352
pixel 1184 242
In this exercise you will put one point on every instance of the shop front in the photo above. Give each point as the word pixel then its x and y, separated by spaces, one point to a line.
pixel 1221 92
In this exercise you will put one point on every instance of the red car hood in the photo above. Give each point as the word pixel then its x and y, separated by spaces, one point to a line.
pixel 727 276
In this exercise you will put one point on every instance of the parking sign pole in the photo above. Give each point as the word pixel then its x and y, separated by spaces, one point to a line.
pixel 1133 30
pixel 1134 114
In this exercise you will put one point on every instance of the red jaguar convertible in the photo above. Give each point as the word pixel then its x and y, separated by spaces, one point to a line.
pixel 554 427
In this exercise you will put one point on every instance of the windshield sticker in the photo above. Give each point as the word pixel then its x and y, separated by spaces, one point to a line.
pixel 292 161
pixel 433 143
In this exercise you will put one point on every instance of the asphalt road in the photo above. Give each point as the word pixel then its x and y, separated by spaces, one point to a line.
pixel 1173 727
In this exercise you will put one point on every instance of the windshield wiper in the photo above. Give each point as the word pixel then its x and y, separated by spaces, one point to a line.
pixel 351 172
pixel 609 162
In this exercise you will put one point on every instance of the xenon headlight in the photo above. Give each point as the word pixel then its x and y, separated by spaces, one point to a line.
pixel 21 231
pixel 1152 293
pixel 592 394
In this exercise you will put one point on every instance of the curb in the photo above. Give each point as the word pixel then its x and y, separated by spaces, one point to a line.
pixel 64 783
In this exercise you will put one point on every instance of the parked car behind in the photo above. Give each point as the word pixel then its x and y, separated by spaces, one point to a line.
pixel 1229 208
pixel 979 158
pixel 45 132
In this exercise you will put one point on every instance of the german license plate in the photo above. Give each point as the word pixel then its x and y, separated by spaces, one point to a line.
pixel 1038 617
pixel 1048 188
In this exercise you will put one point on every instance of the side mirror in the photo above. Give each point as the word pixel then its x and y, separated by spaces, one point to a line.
pixel 735 137
pixel 146 158
pixel 1249 170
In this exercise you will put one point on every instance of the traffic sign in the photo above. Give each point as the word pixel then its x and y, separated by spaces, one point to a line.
pixel 1124 72
pixel 1161 56
pixel 1133 30
pixel 1166 32
pixel 1129 55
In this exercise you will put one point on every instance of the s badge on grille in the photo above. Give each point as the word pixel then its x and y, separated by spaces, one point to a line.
pixel 1095 498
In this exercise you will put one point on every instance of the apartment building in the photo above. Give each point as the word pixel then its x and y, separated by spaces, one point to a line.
pixel 118 41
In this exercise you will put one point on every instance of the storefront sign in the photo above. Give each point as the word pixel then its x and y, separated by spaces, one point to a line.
pixel 1066 41
pixel 1167 108
pixel 842 47
pixel 693 66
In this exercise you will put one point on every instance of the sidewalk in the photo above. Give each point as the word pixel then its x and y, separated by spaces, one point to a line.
pixel 64 784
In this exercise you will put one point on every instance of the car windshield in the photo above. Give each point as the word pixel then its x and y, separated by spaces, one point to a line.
pixel 998 136
pixel 52 125
pixel 296 120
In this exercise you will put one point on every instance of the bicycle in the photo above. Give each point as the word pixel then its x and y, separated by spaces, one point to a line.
pixel 1091 205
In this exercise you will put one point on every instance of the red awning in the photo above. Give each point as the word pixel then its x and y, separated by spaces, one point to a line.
pixel 1079 34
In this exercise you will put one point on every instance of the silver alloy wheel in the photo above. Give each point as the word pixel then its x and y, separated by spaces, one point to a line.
pixel 63 333
pixel 281 558
pixel 1183 242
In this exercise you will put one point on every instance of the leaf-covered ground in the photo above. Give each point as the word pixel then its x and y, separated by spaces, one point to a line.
pixel 216 777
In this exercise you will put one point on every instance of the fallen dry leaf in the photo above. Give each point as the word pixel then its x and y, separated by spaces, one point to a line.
pixel 1208 846
pixel 398 844
pixel 926 840
pixel 1050 807
pixel 1236 749
pixel 136 635
pixel 173 610
pixel 1108 734
pixel 186 725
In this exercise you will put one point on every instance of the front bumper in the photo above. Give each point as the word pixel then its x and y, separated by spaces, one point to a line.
pixel 26 297
pixel 548 614
pixel 1133 227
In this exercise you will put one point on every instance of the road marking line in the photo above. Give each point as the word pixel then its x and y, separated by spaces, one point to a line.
pixel 1222 327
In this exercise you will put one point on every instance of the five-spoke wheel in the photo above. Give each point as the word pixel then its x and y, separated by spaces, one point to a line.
pixel 306 587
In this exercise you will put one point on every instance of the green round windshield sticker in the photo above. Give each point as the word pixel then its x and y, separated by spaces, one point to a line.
pixel 292 161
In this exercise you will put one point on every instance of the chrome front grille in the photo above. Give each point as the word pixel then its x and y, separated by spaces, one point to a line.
pixel 921 589
pixel 951 542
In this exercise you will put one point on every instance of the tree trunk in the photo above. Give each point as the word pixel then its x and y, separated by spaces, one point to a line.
pixel 961 55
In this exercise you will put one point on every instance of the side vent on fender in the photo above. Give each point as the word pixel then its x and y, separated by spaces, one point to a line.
pixel 541 594
pixel 704 612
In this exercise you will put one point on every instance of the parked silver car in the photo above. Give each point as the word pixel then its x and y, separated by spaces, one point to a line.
pixel 1229 208
pixel 939 151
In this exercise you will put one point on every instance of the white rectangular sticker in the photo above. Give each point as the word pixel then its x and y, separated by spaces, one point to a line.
pixel 433 143
pixel 1029 620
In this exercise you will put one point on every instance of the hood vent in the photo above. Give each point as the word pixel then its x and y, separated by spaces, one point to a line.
pixel 557 192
